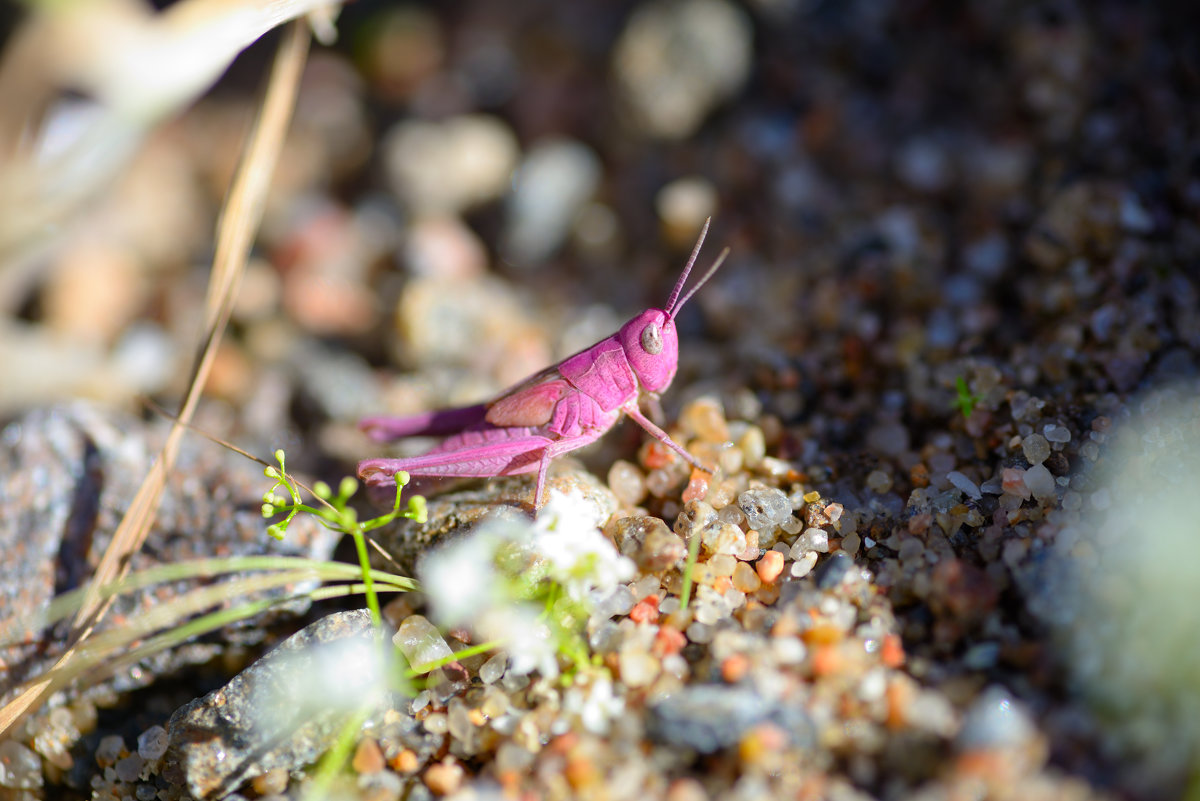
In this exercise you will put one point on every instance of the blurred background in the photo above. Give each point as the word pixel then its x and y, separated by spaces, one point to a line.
pixel 960 232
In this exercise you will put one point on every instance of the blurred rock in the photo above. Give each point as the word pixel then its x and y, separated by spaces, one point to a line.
pixel 554 181
pixel 67 475
pixel 282 712
pixel 677 61
pixel 449 166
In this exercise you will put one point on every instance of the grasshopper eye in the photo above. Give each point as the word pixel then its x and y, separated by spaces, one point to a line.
pixel 652 339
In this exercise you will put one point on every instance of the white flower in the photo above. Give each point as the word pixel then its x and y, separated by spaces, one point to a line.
pixel 576 554
pixel 482 580
pixel 594 703
pixel 527 639
pixel 461 578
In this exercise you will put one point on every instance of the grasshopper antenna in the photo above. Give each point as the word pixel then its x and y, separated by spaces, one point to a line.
pixel 673 307
pixel 687 268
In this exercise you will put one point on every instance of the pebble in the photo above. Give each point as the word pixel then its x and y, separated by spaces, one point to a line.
pixel 244 729
pixel 723 539
pixel 368 758
pixel 420 641
pixel 554 181
pixel 753 446
pixel 770 566
pixel 1056 433
pixel 994 720
pixel 1036 448
pixel 445 777
pixel 745 579
pixel 879 481
pixel 723 564
pixel 109 750
pixel 708 718
pixel 804 565
pixel 675 62
pixel 683 205
pixel 627 482
pixel 20 768
pixel 491 670
pixel 152 743
pixel 965 485
pixel 638 668
pixel 1040 482
pixel 705 418
pixel 130 767
pixel 813 539
pixel 765 508
pixel 451 165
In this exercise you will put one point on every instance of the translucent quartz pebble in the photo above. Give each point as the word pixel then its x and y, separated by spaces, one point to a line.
pixel 964 485
pixel 420 641
pixel 1036 448
pixel 20 767
pixel 129 768
pixel 765 508
pixel 152 743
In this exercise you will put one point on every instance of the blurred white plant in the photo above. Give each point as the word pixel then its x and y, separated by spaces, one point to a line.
pixel 1125 583
pixel 503 580
pixel 593 701
pixel 577 555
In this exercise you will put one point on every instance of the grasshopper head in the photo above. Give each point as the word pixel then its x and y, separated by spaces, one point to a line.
pixel 652 348
pixel 650 341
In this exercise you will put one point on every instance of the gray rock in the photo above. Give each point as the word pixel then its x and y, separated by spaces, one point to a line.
pixel 709 717
pixel 67 475
pixel 284 711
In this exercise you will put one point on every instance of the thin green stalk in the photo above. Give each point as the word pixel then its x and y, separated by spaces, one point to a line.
pixel 360 545
pixel 429 667
pixel 693 554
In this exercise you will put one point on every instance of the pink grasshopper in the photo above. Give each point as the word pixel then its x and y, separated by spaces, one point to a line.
pixel 557 410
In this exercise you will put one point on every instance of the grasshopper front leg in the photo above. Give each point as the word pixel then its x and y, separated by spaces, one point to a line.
pixel 631 409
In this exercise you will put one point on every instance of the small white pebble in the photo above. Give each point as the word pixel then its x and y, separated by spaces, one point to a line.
pixel 1040 482
pixel 1056 433
pixel 109 750
pixel 804 565
pixel 491 670
pixel 879 482
pixel 788 650
pixel 964 485
pixel 129 768
pixel 152 743
pixel 873 685
pixel 813 539
pixel 1036 448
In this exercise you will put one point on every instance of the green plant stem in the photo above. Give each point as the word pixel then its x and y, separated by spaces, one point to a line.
pixel 693 554
pixel 360 545
pixel 429 667
pixel 337 757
